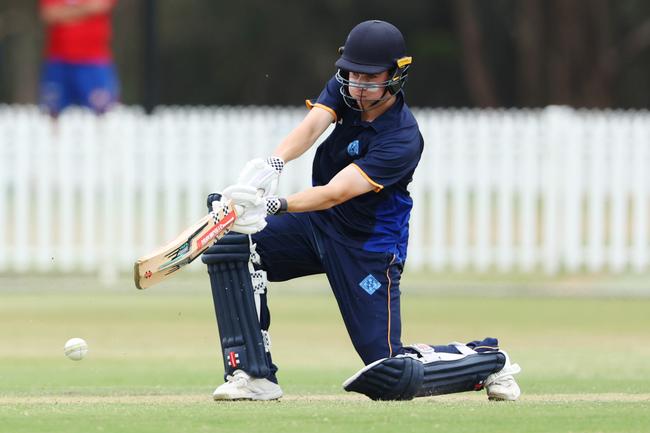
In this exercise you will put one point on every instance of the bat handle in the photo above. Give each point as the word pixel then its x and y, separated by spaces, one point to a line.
pixel 215 196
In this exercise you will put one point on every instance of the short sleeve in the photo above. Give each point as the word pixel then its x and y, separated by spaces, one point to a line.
pixel 330 99
pixel 391 158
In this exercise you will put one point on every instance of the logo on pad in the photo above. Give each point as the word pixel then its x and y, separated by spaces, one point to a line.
pixel 370 284
pixel 233 359
pixel 353 148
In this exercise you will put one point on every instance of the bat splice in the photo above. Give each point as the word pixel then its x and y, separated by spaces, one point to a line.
pixel 165 261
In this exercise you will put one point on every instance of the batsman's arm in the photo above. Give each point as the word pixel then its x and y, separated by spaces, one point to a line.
pixel 347 184
pixel 303 136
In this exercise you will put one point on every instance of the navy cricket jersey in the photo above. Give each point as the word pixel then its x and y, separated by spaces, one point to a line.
pixel 386 152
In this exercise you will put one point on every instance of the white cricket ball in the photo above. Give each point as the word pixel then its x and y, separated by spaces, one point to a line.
pixel 75 349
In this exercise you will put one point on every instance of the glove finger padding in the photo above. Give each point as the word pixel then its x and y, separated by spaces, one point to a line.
pixel 262 174
pixel 246 215
pixel 250 208
pixel 251 215
pixel 243 195
pixel 249 228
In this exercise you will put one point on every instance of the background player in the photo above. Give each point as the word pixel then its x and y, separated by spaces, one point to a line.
pixel 351 225
pixel 78 68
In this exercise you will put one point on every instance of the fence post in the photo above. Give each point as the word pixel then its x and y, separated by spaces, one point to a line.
pixel 641 192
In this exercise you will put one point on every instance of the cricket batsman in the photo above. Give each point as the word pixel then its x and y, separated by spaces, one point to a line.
pixel 352 225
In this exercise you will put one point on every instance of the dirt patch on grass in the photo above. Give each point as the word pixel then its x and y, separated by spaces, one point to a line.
pixel 202 398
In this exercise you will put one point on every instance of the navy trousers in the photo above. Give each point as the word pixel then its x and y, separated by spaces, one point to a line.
pixel 365 284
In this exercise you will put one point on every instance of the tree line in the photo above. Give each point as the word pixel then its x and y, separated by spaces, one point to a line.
pixel 467 53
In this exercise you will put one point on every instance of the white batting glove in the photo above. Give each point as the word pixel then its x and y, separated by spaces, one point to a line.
pixel 242 195
pixel 249 206
pixel 262 174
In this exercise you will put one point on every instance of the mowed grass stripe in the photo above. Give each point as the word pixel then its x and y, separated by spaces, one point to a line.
pixel 306 398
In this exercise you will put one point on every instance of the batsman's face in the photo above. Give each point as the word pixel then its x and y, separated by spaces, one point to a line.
pixel 367 87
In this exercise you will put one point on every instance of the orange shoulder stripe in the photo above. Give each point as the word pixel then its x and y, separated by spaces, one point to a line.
pixel 311 105
pixel 377 187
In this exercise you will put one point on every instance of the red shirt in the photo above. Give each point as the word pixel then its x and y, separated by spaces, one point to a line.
pixel 85 40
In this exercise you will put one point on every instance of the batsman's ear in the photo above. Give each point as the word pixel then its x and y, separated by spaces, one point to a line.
pixel 215 196
pixel 340 50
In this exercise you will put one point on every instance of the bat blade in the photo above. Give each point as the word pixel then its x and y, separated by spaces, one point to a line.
pixel 165 261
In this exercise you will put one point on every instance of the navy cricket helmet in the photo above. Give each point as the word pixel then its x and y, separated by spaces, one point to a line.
pixel 373 47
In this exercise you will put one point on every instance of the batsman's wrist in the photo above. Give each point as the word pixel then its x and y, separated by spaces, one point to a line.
pixel 276 205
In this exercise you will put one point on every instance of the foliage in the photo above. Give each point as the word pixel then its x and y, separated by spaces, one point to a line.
pixel 523 53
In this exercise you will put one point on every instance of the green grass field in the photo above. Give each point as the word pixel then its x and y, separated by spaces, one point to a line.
pixel 154 361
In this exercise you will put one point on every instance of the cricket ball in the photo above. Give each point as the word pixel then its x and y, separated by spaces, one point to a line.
pixel 75 349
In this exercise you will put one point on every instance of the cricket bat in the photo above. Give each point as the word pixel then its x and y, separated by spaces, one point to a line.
pixel 165 261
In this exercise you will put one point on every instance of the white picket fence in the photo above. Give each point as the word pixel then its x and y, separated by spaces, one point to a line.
pixel 500 190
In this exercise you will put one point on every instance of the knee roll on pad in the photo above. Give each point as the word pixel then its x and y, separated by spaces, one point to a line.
pixel 397 378
pixel 242 341
pixel 407 376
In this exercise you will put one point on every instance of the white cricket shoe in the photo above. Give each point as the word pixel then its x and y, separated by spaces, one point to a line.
pixel 501 385
pixel 241 386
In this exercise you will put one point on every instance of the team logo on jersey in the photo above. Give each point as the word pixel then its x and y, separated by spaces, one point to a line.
pixel 370 284
pixel 353 148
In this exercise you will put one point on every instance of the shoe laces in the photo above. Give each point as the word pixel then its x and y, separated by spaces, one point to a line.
pixel 239 377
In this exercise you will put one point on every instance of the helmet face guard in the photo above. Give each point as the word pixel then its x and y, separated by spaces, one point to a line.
pixel 388 88
pixel 373 47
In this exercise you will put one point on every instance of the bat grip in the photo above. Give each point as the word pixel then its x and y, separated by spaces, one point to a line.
pixel 215 196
